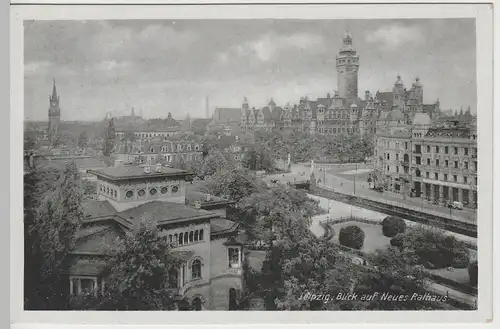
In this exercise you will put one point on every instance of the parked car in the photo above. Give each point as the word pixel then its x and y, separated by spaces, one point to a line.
pixel 456 205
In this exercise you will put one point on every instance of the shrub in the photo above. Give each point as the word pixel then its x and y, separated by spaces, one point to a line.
pixel 473 276
pixel 461 260
pixel 436 249
pixel 392 225
pixel 398 240
pixel 352 236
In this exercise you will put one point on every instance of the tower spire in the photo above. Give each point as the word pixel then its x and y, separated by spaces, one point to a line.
pixel 54 91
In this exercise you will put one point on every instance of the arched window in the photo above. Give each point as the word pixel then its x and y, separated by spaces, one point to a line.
pixel 201 235
pixel 181 240
pixel 191 237
pixel 186 238
pixel 176 239
pixel 196 269
pixel 196 235
pixel 170 238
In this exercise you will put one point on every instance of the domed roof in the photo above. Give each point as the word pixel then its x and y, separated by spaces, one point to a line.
pixel 422 119
pixel 395 115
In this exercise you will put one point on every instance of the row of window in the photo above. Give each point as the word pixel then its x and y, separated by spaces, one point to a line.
pixel 347 61
pixel 447 163
pixel 454 149
pixel 455 179
pixel 108 191
pixel 186 237
pixel 337 130
pixel 152 191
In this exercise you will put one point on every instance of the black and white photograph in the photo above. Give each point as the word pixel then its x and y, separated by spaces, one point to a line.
pixel 252 164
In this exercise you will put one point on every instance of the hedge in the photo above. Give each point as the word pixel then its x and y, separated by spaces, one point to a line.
pixel 352 236
pixel 392 225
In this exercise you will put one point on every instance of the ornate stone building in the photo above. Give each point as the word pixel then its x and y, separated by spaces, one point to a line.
pixel 435 161
pixel 205 240
pixel 343 113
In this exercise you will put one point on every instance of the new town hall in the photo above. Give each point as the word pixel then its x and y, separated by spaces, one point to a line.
pixel 344 112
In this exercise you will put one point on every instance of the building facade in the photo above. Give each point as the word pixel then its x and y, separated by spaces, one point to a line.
pixel 54 115
pixel 133 125
pixel 434 161
pixel 206 242
pixel 344 112
pixel 167 151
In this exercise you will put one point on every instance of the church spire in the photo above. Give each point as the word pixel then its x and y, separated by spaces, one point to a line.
pixel 54 91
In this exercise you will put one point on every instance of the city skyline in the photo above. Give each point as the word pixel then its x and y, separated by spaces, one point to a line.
pixel 101 66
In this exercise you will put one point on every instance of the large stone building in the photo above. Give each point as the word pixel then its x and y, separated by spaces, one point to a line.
pixel 54 116
pixel 436 161
pixel 170 151
pixel 342 113
pixel 206 241
pixel 144 129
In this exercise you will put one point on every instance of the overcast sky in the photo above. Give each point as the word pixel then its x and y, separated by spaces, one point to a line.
pixel 171 66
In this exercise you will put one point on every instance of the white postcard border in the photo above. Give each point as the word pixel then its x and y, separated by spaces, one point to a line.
pixel 484 32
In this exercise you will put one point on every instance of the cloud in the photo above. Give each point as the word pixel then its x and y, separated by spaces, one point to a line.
pixel 266 47
pixel 36 68
pixel 394 36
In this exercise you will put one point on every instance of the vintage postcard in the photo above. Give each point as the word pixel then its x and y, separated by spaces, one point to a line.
pixel 264 158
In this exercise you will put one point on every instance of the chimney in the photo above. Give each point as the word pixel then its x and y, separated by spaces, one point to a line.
pixel 158 167
pixel 207 197
pixel 147 169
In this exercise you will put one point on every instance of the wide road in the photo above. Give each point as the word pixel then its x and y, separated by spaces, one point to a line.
pixel 334 177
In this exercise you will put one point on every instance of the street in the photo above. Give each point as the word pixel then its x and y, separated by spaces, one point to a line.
pixel 360 187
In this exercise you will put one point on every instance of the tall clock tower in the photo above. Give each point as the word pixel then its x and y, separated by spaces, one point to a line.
pixel 54 115
pixel 347 69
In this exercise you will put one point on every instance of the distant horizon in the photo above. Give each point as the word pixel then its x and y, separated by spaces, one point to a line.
pixel 102 66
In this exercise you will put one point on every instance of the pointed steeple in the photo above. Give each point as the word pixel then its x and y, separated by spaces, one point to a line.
pixel 54 91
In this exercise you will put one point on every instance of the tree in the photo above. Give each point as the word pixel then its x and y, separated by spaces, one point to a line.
pixel 258 158
pixel 52 215
pixel 29 141
pixel 213 162
pixel 473 273
pixel 394 272
pixel 235 184
pixel 82 140
pixel 392 225
pixel 109 138
pixel 142 272
pixel 352 236
pixel 89 188
pixel 434 248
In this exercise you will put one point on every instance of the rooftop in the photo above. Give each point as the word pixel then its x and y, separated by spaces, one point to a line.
pixel 128 172
pixel 161 212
